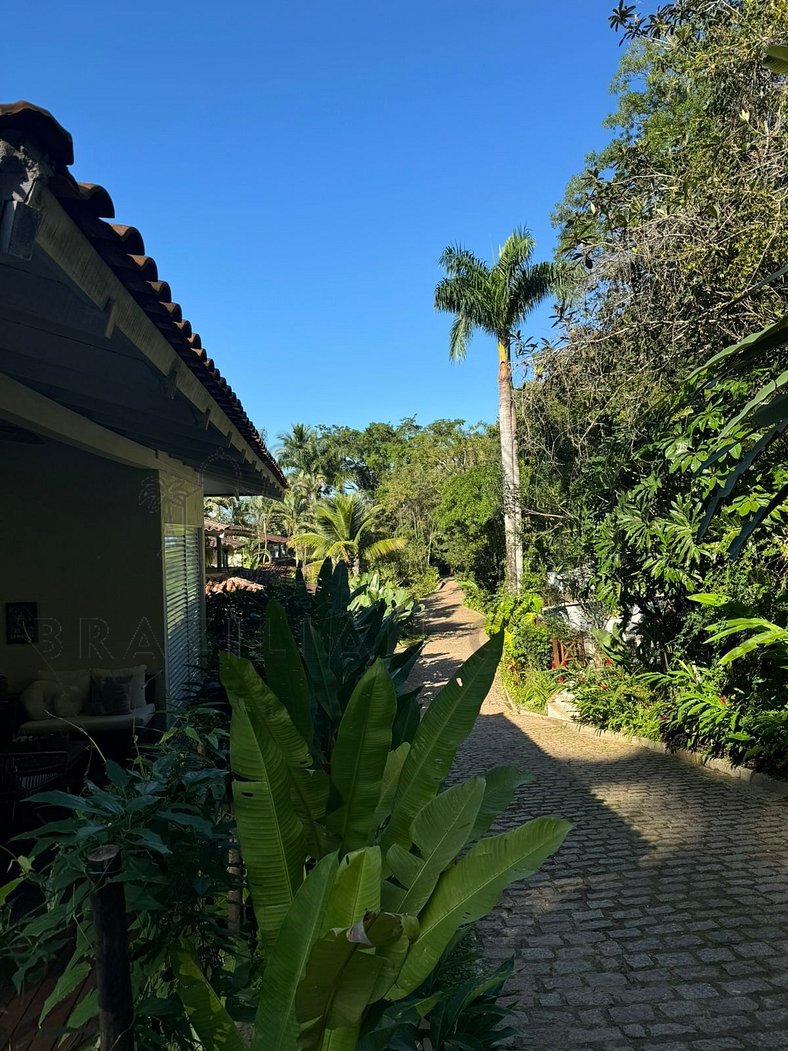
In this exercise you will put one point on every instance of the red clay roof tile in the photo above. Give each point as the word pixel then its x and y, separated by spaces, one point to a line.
pixel 123 250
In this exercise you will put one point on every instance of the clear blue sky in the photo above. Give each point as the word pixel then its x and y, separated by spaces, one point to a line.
pixel 296 169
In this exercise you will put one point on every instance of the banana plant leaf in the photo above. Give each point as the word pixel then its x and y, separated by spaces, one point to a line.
pixel 268 719
pixel 284 670
pixel 359 758
pixel 273 847
pixel 469 889
pixel 340 976
pixel 260 722
pixel 214 1027
pixel 439 832
pixel 500 785
pixel 323 682
pixel 408 718
pixel 276 1027
pixel 356 889
pixel 446 723
pixel 777 58
pixel 747 351
pixel 391 776
pixel 309 794
pixel 270 832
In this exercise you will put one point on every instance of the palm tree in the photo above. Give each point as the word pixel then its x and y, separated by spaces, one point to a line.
pixel 344 530
pixel 497 299
pixel 299 449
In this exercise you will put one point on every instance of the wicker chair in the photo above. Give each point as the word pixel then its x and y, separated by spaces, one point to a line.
pixel 23 774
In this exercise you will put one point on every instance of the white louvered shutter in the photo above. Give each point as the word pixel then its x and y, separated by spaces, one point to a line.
pixel 184 608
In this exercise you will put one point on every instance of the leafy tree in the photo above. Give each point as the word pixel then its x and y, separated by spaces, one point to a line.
pixel 497 299
pixel 469 523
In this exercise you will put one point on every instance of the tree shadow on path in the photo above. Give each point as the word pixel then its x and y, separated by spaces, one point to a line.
pixel 663 920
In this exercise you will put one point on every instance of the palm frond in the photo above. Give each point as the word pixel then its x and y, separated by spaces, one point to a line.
pixel 383 548
pixel 529 287
pixel 515 254
pixel 457 261
pixel 462 329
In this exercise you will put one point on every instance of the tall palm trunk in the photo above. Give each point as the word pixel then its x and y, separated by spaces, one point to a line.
pixel 511 469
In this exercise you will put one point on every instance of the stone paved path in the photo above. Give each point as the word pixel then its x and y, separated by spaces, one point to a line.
pixel 662 923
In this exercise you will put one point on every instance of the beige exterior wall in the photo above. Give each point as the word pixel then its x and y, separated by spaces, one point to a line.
pixel 81 536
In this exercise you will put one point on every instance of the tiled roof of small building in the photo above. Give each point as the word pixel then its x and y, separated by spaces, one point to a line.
pixel 123 250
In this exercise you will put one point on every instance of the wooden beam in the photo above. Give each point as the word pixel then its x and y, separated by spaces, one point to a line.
pixel 29 409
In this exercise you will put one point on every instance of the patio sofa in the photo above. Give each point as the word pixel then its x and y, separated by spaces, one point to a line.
pixel 87 700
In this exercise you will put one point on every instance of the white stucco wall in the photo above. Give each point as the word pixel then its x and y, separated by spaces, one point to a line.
pixel 81 536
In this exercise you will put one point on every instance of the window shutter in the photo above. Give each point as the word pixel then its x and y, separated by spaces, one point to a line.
pixel 184 609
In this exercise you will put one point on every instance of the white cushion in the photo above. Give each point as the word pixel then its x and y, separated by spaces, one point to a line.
pixel 38 699
pixel 137 673
pixel 78 678
pixel 68 703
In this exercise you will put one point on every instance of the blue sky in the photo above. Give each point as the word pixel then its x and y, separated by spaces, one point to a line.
pixel 296 169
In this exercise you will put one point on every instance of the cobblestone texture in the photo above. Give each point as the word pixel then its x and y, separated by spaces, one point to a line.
pixel 662 923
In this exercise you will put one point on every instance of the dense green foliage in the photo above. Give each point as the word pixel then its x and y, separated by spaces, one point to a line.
pixel 356 861
pixel 362 874
pixel 169 817
pixel 675 232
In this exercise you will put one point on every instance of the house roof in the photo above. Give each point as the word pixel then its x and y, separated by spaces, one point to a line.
pixel 213 525
pixel 123 250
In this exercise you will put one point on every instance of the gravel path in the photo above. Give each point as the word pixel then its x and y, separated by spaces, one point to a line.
pixel 662 923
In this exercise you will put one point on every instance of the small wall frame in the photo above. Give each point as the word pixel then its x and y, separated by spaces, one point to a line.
pixel 21 623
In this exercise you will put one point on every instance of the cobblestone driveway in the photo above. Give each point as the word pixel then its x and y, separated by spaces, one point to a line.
pixel 663 921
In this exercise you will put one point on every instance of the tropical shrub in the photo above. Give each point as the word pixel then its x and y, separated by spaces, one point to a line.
pixel 361 870
pixel 459 1006
pixel 169 817
pixel 235 618
pixel 528 687
pixel 612 699
pixel 399 602
pixel 338 644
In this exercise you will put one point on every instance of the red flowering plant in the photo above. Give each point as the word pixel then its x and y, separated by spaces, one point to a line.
pixel 702 716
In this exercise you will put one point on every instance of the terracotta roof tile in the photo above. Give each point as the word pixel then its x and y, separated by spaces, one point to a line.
pixel 123 250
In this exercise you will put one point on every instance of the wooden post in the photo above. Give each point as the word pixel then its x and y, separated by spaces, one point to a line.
pixel 113 973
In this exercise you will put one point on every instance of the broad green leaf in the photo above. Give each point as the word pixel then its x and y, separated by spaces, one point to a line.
pixel 468 890
pixel 9 888
pixel 356 889
pixel 439 833
pixel 340 1039
pixel 388 788
pixel 408 718
pixel 322 680
pixel 340 976
pixel 749 349
pixel 446 723
pixel 267 716
pixel 777 58
pixel 74 975
pixel 500 784
pixel 272 843
pixel 214 1027
pixel 276 1027
pixel 710 598
pixel 284 670
pixel 359 757
pixel 309 795
pixel 263 740
pixel 86 1009
pixel 764 394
